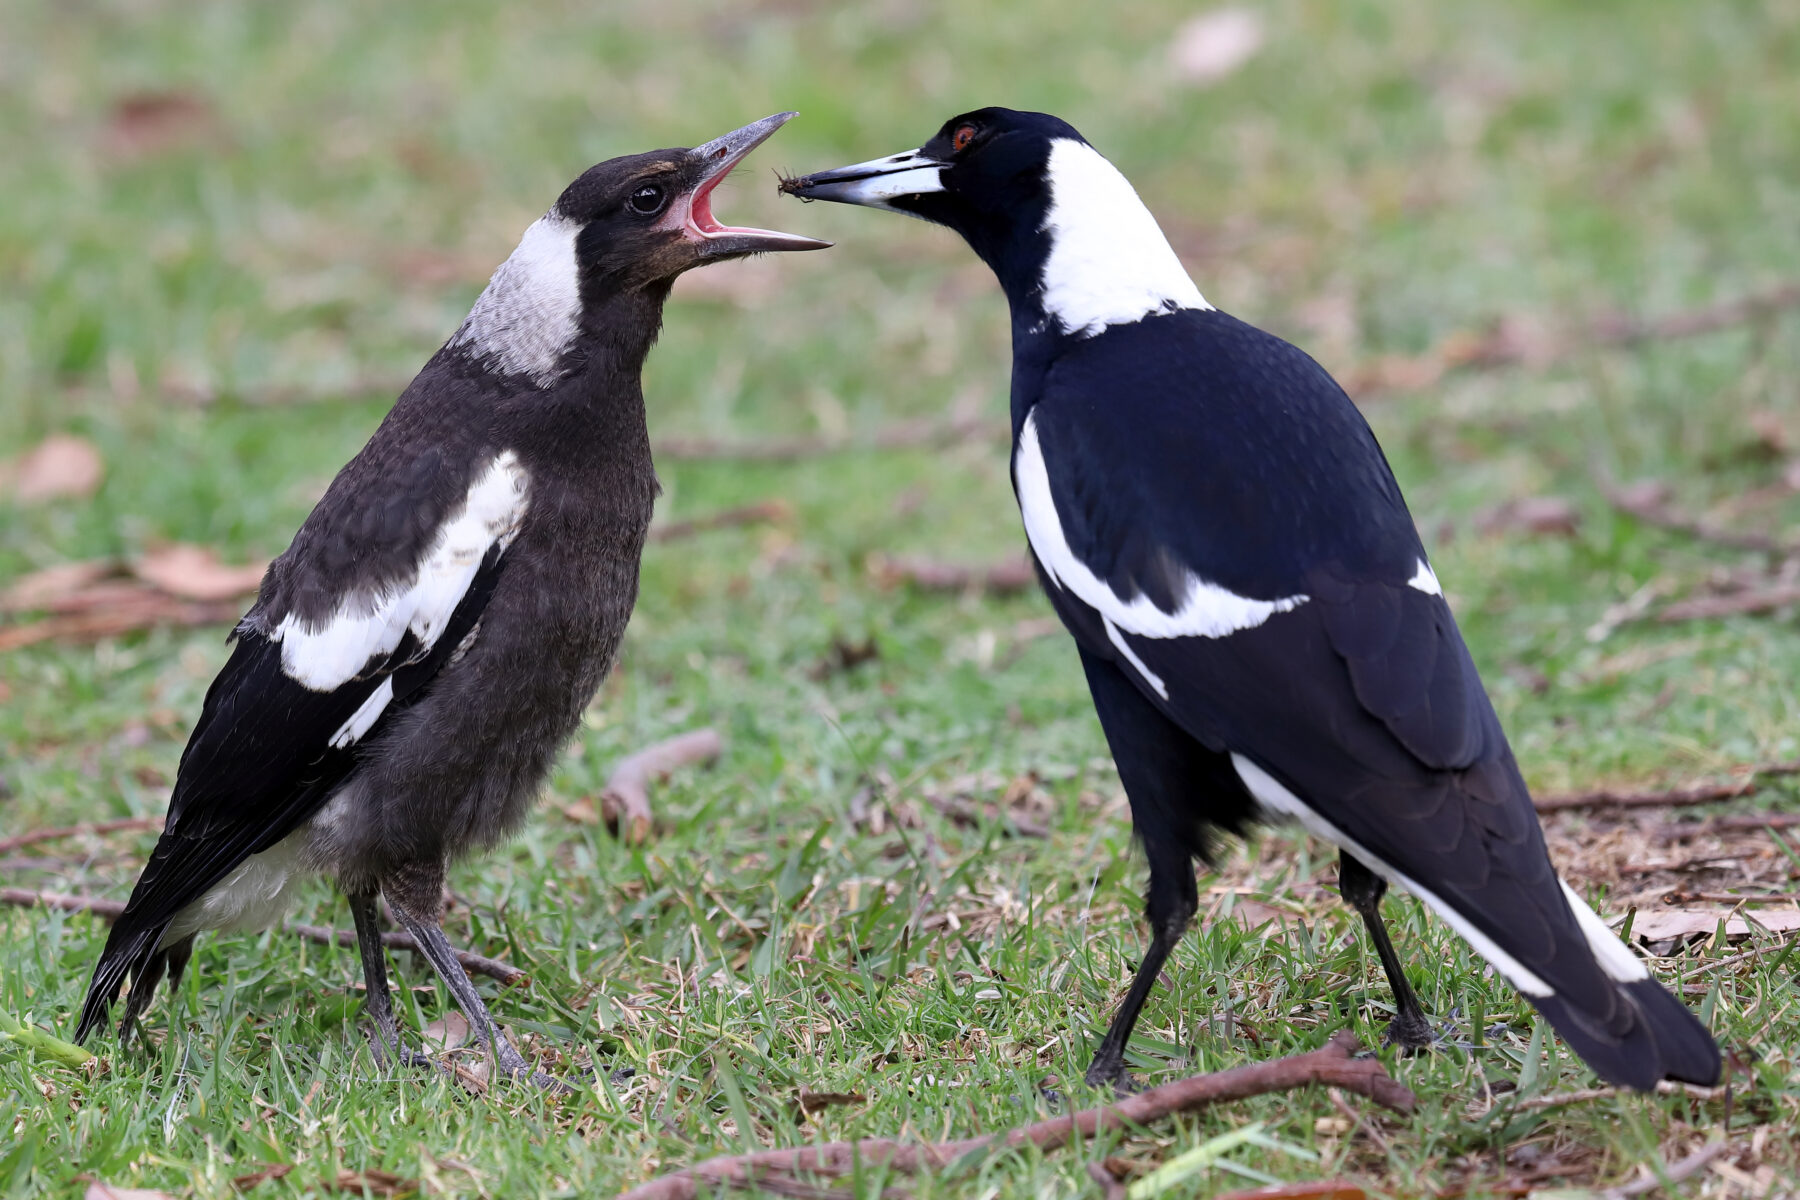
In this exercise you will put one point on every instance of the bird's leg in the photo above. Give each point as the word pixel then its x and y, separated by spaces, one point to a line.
pixel 428 935
pixel 1362 889
pixel 380 1001
pixel 1173 900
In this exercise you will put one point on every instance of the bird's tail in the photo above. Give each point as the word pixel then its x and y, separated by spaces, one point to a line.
pixel 1640 1033
pixel 139 954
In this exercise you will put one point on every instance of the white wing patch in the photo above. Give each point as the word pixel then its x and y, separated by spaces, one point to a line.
pixel 1277 800
pixel 1426 580
pixel 325 657
pixel 530 312
pixel 1615 958
pixel 1205 609
pixel 1109 263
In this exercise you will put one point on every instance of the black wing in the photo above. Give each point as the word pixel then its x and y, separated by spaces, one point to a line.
pixel 259 763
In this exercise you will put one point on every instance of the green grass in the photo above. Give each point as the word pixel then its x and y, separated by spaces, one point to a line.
pixel 1379 177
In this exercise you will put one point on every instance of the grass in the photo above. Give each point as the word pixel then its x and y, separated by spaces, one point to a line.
pixel 1381 176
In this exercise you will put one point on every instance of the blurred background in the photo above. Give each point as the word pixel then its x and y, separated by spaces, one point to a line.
pixel 1553 250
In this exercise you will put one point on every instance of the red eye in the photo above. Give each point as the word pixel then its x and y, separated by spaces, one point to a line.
pixel 962 137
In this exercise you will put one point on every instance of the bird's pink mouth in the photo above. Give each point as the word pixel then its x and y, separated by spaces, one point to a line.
pixel 692 214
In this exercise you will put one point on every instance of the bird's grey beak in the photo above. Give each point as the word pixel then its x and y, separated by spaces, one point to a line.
pixel 694 211
pixel 873 184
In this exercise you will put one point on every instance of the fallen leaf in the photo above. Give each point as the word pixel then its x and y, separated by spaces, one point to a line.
pixel 244 1183
pixel 812 1102
pixel 106 1191
pixel 582 812
pixel 42 589
pixel 1663 924
pixel 1214 44
pixel 374 1182
pixel 143 123
pixel 448 1032
pixel 1531 514
pixel 195 573
pixel 60 466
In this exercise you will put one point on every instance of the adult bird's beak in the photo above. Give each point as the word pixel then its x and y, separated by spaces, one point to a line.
pixel 874 184
pixel 693 214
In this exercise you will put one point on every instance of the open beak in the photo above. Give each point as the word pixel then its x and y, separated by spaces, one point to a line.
pixel 693 212
pixel 873 184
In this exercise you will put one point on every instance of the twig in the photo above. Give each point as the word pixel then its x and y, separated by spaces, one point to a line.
pixel 110 910
pixel 749 514
pixel 1648 501
pixel 1110 1187
pixel 625 802
pixel 1665 1087
pixel 106 910
pixel 1732 604
pixel 1746 956
pixel 1509 344
pixel 1001 578
pixel 1693 1164
pixel 8 845
pixel 1741 823
pixel 968 814
pixel 1317 1189
pixel 1331 1066
pixel 905 436
pixel 152 609
pixel 1706 793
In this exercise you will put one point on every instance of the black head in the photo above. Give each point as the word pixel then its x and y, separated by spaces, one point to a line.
pixel 626 227
pixel 982 174
pixel 1063 230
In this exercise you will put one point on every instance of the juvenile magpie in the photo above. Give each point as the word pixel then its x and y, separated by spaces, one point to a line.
pixel 416 658
pixel 1261 630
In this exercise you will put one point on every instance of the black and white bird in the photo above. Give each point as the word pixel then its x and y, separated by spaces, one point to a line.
pixel 428 642
pixel 1262 633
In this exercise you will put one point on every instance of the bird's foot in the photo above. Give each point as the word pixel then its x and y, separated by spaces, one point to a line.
pixel 1411 1033
pixel 514 1066
pixel 1109 1070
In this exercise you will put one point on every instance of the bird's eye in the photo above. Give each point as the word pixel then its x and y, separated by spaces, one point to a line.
pixel 647 199
pixel 962 137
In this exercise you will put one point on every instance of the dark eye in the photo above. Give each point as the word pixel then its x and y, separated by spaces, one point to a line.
pixel 647 199
pixel 962 137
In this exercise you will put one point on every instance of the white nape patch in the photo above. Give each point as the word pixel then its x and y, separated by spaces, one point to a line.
pixel 1109 263
pixel 254 896
pixel 325 657
pixel 1277 800
pixel 1150 677
pixel 529 313
pixel 351 731
pixel 1614 956
pixel 1426 580
pixel 1205 610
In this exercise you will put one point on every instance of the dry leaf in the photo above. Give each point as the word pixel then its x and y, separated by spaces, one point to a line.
pixel 244 1183
pixel 61 465
pixel 153 122
pixel 1214 44
pixel 195 573
pixel 1532 514
pixel 374 1182
pixel 1662 924
pixel 448 1032
pixel 582 812
pixel 812 1102
pixel 42 589
pixel 106 1191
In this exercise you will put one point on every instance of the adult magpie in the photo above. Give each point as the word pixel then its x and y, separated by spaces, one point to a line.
pixel 1261 630
pixel 416 658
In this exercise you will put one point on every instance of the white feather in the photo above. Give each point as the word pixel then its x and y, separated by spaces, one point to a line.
pixel 1109 263
pixel 530 312
pixel 1277 800
pixel 324 657
pixel 1615 957
pixel 254 896
pixel 1204 609
pixel 360 721
pixel 1426 580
